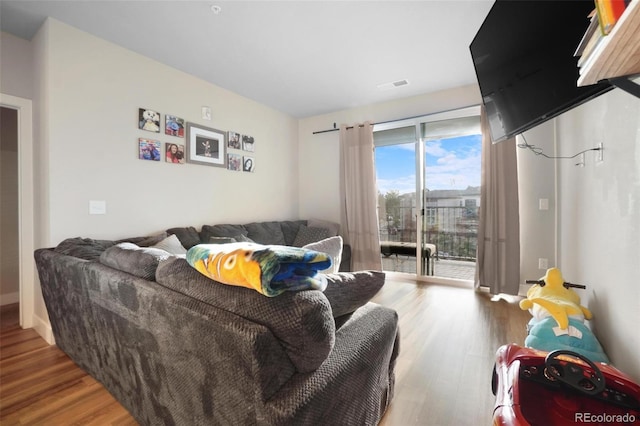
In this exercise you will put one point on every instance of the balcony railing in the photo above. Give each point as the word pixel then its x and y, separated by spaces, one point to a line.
pixel 453 230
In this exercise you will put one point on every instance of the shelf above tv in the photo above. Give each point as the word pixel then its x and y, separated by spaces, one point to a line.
pixel 619 53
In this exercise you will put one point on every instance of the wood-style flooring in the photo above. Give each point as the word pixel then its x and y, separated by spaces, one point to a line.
pixel 449 336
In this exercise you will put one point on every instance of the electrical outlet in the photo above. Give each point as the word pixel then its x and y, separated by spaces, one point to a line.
pixel 600 153
pixel 543 263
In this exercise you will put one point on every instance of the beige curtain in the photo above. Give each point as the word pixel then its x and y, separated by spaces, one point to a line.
pixel 358 195
pixel 498 263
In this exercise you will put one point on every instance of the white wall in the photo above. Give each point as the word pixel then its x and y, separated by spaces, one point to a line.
pixel 599 226
pixel 16 78
pixel 537 180
pixel 86 95
pixel 90 92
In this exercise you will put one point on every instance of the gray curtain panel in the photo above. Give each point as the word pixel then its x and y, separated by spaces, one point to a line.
pixel 359 196
pixel 498 263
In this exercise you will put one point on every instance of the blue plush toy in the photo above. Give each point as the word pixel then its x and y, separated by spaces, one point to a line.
pixel 558 319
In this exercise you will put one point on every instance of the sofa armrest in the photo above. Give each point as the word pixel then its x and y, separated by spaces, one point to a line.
pixel 354 385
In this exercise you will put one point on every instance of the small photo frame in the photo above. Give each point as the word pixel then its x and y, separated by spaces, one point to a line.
pixel 148 120
pixel 247 143
pixel 173 126
pixel 149 149
pixel 206 146
pixel 234 162
pixel 233 140
pixel 174 153
pixel 248 164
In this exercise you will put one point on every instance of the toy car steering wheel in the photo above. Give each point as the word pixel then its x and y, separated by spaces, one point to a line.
pixel 574 374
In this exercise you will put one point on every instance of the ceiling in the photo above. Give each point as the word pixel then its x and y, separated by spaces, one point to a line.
pixel 303 58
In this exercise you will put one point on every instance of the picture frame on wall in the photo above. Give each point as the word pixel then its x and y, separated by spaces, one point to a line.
pixel 206 146
pixel 248 143
pixel 148 149
pixel 233 140
pixel 148 120
pixel 248 164
pixel 235 162
pixel 174 153
pixel 173 126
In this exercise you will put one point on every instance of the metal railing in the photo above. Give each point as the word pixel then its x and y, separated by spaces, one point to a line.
pixel 453 230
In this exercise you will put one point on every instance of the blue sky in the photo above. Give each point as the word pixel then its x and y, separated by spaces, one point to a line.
pixel 451 164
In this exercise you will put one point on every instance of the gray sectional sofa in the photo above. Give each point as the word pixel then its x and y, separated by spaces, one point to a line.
pixel 177 348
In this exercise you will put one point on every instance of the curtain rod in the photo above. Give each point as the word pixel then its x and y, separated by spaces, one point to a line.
pixel 335 128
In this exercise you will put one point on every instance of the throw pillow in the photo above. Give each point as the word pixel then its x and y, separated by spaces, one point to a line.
pixel 171 244
pixel 307 235
pixel 349 291
pixel 187 235
pixel 331 246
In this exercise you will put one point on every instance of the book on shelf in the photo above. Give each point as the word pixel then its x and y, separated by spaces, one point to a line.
pixel 609 11
pixel 591 29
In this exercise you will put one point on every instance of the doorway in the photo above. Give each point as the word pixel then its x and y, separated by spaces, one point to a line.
pixel 22 205
pixel 9 222
pixel 428 177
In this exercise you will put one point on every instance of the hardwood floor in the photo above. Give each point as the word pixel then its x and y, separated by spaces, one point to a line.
pixel 449 336
pixel 40 385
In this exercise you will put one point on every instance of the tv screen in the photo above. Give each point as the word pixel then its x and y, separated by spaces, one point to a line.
pixel 523 56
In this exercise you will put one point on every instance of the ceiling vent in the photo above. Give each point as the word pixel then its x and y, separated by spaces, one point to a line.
pixel 393 84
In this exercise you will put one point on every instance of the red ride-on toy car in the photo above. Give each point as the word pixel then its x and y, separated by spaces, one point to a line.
pixel 562 387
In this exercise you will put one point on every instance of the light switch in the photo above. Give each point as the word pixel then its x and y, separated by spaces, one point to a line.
pixel 206 113
pixel 97 207
pixel 543 204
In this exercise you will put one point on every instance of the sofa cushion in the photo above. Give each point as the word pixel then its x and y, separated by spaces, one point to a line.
pixel 266 233
pixel 332 227
pixel 224 230
pixel 146 241
pixel 139 261
pixel 331 246
pixel 300 320
pixel 221 240
pixel 188 236
pixel 290 230
pixel 346 292
pixel 83 248
pixel 307 234
pixel 172 245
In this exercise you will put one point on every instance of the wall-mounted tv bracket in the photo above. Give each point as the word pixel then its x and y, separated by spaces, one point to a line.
pixel 626 84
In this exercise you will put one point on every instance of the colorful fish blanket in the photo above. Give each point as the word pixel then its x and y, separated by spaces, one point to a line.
pixel 268 269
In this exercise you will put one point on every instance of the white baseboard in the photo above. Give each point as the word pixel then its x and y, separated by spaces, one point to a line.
pixel 523 289
pixel 10 298
pixel 43 328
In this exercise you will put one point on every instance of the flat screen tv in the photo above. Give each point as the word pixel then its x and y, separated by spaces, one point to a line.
pixel 523 56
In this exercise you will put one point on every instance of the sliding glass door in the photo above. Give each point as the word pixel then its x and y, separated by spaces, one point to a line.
pixel 428 176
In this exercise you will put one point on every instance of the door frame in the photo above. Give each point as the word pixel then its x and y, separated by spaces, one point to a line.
pixel 420 170
pixel 27 271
